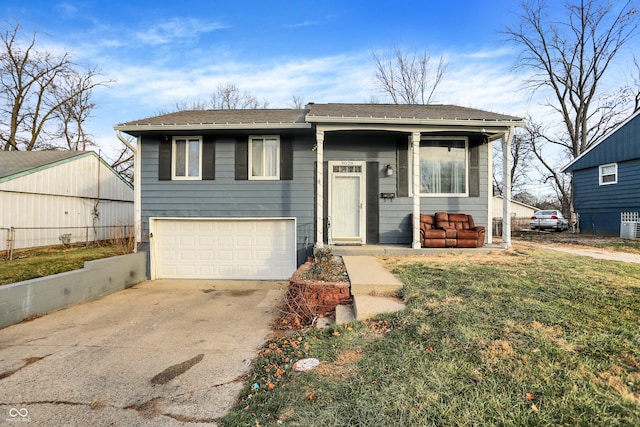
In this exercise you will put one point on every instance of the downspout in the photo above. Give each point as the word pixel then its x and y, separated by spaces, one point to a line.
pixel 127 143
pixel 136 187
pixel 96 211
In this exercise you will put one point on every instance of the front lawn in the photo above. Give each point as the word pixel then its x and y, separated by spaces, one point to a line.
pixel 524 337
pixel 608 243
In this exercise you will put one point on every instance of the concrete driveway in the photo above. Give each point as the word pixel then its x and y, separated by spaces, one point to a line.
pixel 165 352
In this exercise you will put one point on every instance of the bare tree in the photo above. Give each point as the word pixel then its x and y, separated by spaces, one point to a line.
pixel 75 108
pixel 35 87
pixel 521 157
pixel 229 97
pixel 226 97
pixel 569 59
pixel 123 163
pixel 407 78
pixel 297 102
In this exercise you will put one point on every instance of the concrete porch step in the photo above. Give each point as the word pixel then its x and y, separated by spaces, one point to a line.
pixel 371 287
pixel 367 306
pixel 344 314
pixel 367 276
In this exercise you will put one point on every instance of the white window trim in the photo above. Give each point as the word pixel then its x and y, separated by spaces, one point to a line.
pixel 275 177
pixel 466 166
pixel 174 177
pixel 601 175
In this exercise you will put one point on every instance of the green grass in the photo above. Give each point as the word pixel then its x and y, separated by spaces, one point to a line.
pixel 525 337
pixel 631 246
pixel 45 262
pixel 610 243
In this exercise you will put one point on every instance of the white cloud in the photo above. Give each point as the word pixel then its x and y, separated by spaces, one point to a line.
pixel 176 29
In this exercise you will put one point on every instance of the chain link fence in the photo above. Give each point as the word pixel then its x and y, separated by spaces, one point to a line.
pixel 517 224
pixel 34 237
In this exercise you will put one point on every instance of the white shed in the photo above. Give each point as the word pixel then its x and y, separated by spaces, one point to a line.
pixel 518 209
pixel 54 197
pixel 520 215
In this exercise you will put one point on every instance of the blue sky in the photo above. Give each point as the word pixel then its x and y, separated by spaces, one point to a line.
pixel 160 52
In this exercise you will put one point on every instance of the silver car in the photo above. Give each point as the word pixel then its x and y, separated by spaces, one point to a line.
pixel 551 219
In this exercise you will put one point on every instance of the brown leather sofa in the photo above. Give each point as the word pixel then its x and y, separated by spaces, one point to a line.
pixel 450 230
pixel 430 235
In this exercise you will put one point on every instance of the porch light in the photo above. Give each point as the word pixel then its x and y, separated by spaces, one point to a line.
pixel 389 170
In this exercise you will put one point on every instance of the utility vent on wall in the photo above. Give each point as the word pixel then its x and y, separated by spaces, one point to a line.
pixel 629 225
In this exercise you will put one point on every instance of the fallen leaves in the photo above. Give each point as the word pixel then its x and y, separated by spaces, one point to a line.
pixel 381 326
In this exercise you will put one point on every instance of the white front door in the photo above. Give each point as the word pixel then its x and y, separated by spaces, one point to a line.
pixel 347 202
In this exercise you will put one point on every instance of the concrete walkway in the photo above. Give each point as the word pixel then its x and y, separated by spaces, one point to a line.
pixel 590 252
pixel 372 287
pixel 162 353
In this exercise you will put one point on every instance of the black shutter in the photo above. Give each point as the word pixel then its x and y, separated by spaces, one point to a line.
pixel 402 159
pixel 242 160
pixel 286 158
pixel 474 171
pixel 208 159
pixel 373 202
pixel 164 159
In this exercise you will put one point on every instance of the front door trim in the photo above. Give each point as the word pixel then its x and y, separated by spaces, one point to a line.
pixel 347 168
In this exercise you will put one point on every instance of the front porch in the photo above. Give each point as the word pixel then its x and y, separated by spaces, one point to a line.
pixel 372 250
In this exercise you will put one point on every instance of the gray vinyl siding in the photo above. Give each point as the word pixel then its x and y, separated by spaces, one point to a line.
pixel 599 206
pixel 226 197
pixel 394 224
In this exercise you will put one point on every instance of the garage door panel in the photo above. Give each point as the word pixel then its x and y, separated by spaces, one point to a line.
pixel 224 249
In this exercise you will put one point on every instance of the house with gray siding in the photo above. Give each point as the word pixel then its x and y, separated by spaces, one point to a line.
pixel 248 194
pixel 606 179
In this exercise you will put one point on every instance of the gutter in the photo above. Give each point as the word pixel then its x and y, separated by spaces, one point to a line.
pixel 211 126
pixel 414 121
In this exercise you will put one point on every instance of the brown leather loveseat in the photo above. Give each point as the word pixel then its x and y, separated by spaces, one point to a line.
pixel 450 230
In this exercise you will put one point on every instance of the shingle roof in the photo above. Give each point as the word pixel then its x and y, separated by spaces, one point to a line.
pixel 292 117
pixel 393 111
pixel 14 162
pixel 191 117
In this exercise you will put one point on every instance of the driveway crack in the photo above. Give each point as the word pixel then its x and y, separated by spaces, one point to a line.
pixel 28 361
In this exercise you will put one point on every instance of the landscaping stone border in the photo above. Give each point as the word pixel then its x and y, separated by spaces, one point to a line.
pixel 309 298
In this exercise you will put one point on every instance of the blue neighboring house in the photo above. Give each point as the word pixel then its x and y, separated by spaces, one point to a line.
pixel 606 179
pixel 247 194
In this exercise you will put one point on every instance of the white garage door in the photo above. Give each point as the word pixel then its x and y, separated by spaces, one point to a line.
pixel 261 249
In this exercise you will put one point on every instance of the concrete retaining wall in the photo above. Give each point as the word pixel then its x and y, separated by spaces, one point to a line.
pixel 98 278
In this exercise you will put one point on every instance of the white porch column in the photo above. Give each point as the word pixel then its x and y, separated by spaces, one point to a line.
pixel 415 180
pixel 490 193
pixel 506 185
pixel 319 189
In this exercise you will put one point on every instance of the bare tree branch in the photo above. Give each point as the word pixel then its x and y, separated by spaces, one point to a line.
pixel 297 102
pixel 407 78
pixel 569 60
pixel 37 90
